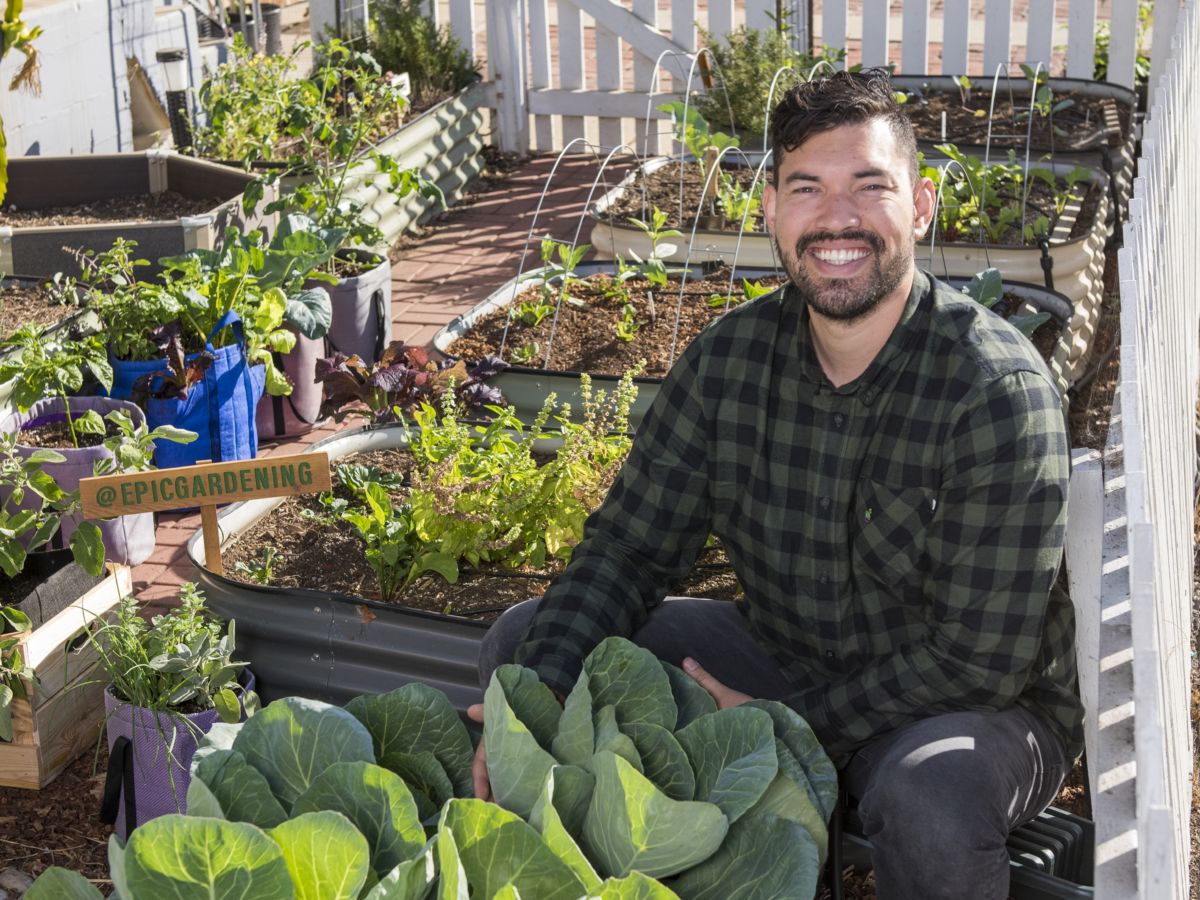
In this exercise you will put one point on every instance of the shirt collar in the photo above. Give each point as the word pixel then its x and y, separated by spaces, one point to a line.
pixel 795 320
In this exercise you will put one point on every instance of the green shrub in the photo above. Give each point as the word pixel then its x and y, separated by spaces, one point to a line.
pixel 404 39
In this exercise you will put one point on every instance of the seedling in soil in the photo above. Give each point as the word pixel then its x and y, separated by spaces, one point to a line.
pixel 526 353
pixel 260 569
pixel 987 289
pixel 1043 98
pixel 751 290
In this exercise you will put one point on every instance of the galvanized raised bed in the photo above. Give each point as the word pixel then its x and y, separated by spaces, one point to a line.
pixel 330 646
pixel 41 182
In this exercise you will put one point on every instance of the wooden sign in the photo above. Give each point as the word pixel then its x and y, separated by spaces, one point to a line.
pixel 204 485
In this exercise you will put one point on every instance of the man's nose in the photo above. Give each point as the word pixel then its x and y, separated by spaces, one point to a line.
pixel 838 212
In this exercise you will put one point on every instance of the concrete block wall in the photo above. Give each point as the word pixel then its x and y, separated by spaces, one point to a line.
pixel 84 106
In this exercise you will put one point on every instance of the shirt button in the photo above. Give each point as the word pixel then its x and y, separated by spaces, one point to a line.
pixel 839 420
pixel 823 578
pixel 824 503
pixel 829 654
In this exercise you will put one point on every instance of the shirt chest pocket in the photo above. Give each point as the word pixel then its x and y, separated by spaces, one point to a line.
pixel 889 530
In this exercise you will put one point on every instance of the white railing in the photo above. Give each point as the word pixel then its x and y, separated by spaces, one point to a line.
pixel 563 69
pixel 1151 461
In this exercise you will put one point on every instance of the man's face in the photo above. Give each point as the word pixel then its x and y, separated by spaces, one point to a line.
pixel 845 217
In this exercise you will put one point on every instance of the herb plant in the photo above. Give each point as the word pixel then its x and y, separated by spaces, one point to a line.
pixel 638 787
pixel 180 661
pixel 13 670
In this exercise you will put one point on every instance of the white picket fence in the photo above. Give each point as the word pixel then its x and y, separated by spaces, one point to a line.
pixel 566 69
pixel 1150 464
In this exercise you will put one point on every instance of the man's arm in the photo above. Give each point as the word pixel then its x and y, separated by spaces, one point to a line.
pixel 648 530
pixel 994 548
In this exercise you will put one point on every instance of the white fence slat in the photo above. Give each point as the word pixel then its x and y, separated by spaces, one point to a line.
pixel 608 78
pixel 643 79
pixel 1039 33
pixel 914 47
pixel 507 67
pixel 1122 54
pixel 539 67
pixel 876 26
pixel 683 23
pixel 834 18
pixel 720 18
pixel 997 34
pixel 1081 38
pixel 956 24
pixel 760 14
pixel 570 63
pixel 462 23
pixel 1165 17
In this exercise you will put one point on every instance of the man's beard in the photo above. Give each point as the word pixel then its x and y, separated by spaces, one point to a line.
pixel 847 299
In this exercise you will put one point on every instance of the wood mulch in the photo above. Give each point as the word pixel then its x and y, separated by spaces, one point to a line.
pixel 21 306
pixel 167 205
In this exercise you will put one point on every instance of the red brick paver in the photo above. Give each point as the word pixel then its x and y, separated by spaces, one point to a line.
pixel 472 250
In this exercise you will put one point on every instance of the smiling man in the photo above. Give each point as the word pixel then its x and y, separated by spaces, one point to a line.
pixel 885 463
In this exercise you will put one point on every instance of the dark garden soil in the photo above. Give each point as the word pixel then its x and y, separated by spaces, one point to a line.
pixel 585 337
pixel 137 208
pixel 662 191
pixel 21 306
pixel 57 436
pixel 1089 122
pixel 310 553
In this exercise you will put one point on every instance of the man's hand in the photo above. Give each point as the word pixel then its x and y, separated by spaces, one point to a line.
pixel 479 772
pixel 725 697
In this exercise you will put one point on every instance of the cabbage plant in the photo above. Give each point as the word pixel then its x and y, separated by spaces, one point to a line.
pixel 637 788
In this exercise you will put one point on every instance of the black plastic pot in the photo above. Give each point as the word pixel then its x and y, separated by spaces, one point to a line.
pixel 329 646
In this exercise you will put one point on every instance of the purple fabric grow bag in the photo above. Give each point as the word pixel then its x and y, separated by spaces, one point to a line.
pixel 299 411
pixel 128 540
pixel 157 757
pixel 362 310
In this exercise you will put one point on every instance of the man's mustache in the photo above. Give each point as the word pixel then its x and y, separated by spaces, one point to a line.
pixel 807 240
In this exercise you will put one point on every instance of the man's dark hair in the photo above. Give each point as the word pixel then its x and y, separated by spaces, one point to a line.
pixel 843 98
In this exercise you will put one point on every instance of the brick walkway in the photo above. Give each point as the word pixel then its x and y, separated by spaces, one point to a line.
pixel 471 250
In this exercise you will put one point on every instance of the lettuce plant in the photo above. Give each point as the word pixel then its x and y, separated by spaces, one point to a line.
pixel 637 788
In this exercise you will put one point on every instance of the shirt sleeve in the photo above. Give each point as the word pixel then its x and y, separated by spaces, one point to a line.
pixel 993 550
pixel 649 530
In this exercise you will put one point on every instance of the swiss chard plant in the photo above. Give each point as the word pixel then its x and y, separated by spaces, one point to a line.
pixel 404 377
pixel 987 289
pixel 32 509
pixel 637 788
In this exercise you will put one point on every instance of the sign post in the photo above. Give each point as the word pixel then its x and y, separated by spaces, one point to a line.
pixel 205 485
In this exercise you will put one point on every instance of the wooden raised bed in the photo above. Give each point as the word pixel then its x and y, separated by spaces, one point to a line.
pixel 65 709
pixel 43 182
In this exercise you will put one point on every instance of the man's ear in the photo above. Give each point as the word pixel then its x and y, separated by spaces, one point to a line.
pixel 924 196
pixel 768 206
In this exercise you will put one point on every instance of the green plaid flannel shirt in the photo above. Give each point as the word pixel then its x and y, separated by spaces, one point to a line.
pixel 898 538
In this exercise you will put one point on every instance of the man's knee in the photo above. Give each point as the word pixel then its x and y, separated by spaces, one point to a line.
pixel 500 641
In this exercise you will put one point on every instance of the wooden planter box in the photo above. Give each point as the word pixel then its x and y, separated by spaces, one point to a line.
pixel 39 182
pixel 329 646
pixel 445 143
pixel 65 709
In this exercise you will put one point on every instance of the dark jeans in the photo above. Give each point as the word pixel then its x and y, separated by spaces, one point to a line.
pixel 937 797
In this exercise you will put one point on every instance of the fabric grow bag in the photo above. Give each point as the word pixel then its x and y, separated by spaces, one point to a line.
pixel 362 310
pixel 220 409
pixel 150 759
pixel 128 540
pixel 299 411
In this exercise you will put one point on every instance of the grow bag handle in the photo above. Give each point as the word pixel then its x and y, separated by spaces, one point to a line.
pixel 119 780
pixel 230 318
pixel 381 320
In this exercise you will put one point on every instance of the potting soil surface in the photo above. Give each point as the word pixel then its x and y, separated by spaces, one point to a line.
pixel 660 189
pixel 331 557
pixel 1081 125
pixel 21 306
pixel 136 208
